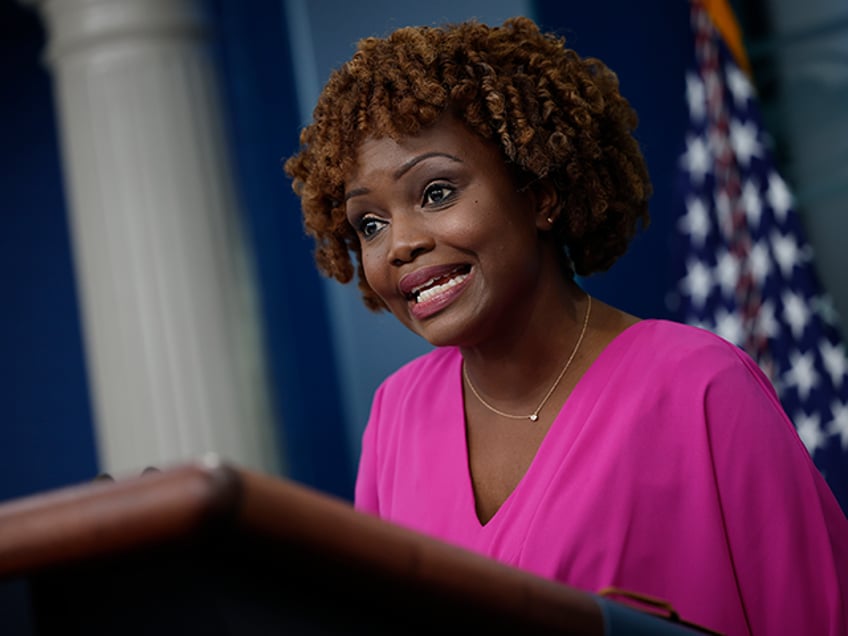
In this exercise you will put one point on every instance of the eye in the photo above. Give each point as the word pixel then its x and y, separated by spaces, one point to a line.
pixel 437 194
pixel 368 226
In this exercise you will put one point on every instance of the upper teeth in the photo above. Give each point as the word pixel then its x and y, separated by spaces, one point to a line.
pixel 426 294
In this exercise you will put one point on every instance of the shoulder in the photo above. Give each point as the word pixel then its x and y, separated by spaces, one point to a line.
pixel 421 395
pixel 686 349
pixel 678 340
pixel 673 358
pixel 419 382
pixel 430 367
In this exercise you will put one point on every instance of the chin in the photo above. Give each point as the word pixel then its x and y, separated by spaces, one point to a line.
pixel 446 332
pixel 454 325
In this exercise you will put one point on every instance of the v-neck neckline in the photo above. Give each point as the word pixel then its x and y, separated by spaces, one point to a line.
pixel 553 432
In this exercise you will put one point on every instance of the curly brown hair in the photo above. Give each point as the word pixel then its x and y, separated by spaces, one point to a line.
pixel 553 114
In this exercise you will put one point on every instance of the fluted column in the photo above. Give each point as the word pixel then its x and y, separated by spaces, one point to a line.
pixel 171 332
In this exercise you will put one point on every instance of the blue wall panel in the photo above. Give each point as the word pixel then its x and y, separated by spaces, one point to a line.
pixel 259 89
pixel 648 45
pixel 46 435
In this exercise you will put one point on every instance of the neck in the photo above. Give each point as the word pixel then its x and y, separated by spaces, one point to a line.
pixel 518 366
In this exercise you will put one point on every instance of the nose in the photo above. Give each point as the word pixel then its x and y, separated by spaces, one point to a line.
pixel 409 239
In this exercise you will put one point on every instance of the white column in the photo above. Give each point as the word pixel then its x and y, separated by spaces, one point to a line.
pixel 170 322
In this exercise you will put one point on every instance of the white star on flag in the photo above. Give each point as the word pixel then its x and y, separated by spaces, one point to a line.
pixel 795 312
pixel 743 138
pixel 697 160
pixel 809 431
pixel 839 424
pixel 698 282
pixel 802 374
pixel 696 223
pixel 759 262
pixel 696 95
pixel 738 84
pixel 779 197
pixel 767 325
pixel 729 325
pixel 727 272
pixel 833 358
pixel 786 252
pixel 752 203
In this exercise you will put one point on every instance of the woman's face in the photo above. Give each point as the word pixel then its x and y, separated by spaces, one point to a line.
pixel 449 243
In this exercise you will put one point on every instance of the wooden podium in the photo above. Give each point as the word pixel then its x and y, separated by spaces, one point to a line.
pixel 213 549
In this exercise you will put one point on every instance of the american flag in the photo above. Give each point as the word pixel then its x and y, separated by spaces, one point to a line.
pixel 746 269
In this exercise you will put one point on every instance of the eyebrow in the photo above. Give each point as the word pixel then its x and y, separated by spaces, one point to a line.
pixel 409 165
pixel 403 169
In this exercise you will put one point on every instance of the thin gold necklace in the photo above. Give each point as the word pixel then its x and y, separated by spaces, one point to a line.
pixel 535 414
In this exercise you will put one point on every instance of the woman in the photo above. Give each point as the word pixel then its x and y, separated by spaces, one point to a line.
pixel 472 171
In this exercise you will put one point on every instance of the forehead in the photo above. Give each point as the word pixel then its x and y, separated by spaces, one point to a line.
pixel 448 138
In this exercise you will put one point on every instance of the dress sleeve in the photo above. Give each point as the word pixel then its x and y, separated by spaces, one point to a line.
pixel 365 494
pixel 786 533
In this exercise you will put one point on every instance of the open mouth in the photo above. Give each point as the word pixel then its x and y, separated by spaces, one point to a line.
pixel 438 285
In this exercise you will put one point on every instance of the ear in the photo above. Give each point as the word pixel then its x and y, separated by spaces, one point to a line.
pixel 547 202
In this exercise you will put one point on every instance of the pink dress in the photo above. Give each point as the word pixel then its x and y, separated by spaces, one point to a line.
pixel 671 471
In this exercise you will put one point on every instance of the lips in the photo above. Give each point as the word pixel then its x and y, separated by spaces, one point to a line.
pixel 431 289
pixel 424 283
